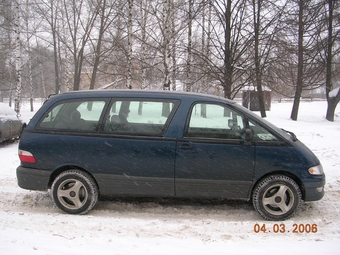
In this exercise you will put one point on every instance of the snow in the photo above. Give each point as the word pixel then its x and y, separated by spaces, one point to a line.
pixel 7 112
pixel 334 92
pixel 31 224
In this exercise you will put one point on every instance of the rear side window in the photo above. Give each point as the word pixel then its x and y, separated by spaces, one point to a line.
pixel 75 115
pixel 139 117
pixel 215 121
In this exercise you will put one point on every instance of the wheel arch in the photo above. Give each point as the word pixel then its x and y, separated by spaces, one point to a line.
pixel 285 173
pixel 62 169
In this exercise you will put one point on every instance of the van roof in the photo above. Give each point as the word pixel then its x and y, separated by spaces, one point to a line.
pixel 138 93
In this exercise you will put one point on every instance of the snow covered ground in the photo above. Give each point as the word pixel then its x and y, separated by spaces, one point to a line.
pixel 31 224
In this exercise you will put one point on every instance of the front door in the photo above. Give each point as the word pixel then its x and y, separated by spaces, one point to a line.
pixel 214 159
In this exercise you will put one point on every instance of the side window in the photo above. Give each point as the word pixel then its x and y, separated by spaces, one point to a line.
pixel 78 115
pixel 139 117
pixel 215 121
pixel 261 134
pixel 49 120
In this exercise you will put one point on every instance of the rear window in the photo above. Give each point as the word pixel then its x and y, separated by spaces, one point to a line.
pixel 75 115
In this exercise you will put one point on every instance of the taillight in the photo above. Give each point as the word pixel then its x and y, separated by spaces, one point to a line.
pixel 26 157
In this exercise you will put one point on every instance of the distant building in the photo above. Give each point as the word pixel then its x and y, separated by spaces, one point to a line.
pixel 105 78
pixel 250 98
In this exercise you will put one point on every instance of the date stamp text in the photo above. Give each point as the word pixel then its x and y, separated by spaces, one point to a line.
pixel 283 228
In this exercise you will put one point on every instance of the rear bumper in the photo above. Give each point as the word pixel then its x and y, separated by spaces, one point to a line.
pixel 33 179
pixel 315 190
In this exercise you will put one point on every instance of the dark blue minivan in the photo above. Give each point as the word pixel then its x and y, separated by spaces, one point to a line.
pixel 86 144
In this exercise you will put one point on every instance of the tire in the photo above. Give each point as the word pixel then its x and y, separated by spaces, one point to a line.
pixel 74 192
pixel 277 197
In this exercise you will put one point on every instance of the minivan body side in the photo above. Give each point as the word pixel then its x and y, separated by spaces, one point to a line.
pixel 173 155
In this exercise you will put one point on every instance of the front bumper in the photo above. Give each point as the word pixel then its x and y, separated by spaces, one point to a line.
pixel 33 179
pixel 314 190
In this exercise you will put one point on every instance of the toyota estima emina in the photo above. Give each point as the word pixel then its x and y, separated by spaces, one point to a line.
pixel 86 144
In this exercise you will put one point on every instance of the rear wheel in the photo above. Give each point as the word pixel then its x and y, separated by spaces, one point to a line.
pixel 277 197
pixel 74 192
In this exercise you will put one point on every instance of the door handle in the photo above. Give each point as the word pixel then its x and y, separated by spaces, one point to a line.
pixel 186 147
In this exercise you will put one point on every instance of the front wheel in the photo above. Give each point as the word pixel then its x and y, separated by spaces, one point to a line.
pixel 74 192
pixel 277 197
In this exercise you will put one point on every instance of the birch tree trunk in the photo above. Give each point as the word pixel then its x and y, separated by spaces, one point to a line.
pixel 206 32
pixel 53 23
pixel 129 51
pixel 18 67
pixel 203 39
pixel 174 48
pixel 30 78
pixel 144 17
pixel 64 55
pixel 189 49
pixel 166 44
pixel 42 80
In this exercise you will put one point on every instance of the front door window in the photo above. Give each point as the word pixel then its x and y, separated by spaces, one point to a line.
pixel 215 121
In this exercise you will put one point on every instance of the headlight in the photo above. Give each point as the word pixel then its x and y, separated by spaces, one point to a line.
pixel 316 170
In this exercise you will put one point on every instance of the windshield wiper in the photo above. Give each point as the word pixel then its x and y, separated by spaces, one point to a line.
pixel 291 134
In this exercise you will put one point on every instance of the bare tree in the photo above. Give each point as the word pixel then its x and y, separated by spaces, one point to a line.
pixel 189 47
pixel 174 50
pixel 206 28
pixel 163 36
pixel 107 17
pixel 299 82
pixel 80 18
pixel 27 18
pixel 129 50
pixel 309 69
pixel 7 48
pixel 227 62
pixel 166 21
pixel 144 20
pixel 18 67
pixel 332 101
pixel 48 11
pixel 257 8
pixel 209 46
pixel 266 22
